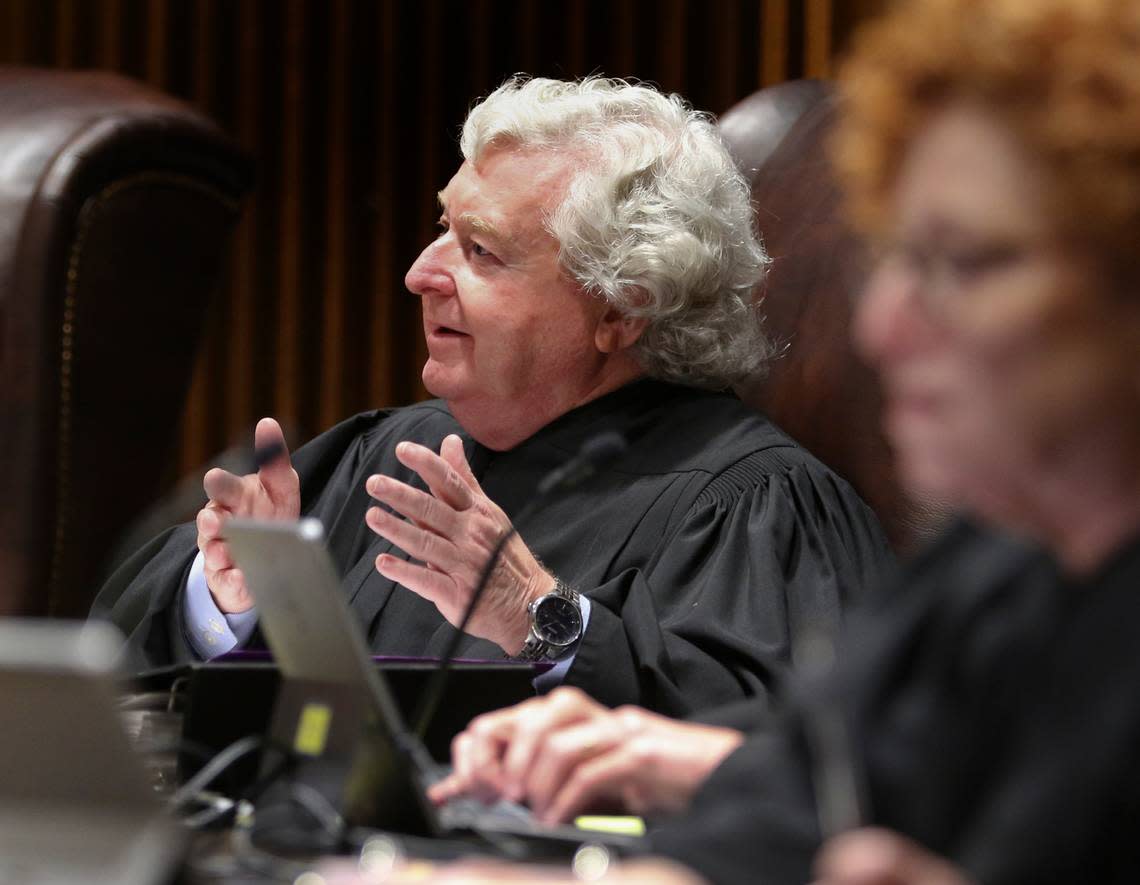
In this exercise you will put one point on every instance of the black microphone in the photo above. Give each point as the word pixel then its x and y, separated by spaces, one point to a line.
pixel 184 499
pixel 595 453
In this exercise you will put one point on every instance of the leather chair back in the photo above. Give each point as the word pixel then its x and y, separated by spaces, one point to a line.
pixel 116 207
pixel 819 391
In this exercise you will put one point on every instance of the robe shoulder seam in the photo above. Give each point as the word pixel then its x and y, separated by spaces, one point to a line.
pixel 750 473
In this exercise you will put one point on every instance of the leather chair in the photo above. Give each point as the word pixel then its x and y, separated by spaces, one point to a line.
pixel 116 207
pixel 819 391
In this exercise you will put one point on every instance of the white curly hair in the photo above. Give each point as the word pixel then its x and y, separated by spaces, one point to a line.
pixel 657 220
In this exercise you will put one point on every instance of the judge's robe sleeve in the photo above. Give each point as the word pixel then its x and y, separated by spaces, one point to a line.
pixel 753 820
pixel 712 616
pixel 143 597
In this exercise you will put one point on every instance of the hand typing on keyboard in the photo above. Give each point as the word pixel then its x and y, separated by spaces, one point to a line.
pixel 564 753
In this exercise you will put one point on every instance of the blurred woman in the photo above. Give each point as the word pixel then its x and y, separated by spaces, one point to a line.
pixel 984 716
pixel 993 148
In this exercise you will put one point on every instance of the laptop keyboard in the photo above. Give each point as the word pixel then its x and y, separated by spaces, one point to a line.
pixel 467 813
pixel 510 818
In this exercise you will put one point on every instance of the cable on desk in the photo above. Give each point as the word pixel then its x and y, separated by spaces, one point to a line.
pixel 215 767
pixel 319 808
pixel 269 774
pixel 217 808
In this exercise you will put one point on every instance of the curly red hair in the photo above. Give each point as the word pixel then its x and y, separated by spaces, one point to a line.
pixel 1064 75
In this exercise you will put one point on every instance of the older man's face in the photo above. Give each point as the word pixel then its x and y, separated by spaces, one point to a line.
pixel 508 334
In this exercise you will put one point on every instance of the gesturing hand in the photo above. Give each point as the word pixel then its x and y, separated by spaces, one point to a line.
pixel 452 531
pixel 274 492
pixel 566 753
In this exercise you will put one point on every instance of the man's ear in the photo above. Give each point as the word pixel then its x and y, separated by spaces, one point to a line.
pixel 617 332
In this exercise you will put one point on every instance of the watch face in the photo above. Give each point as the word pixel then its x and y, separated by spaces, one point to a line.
pixel 557 620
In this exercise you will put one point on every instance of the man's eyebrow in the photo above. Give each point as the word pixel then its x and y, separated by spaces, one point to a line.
pixel 476 222
pixel 483 226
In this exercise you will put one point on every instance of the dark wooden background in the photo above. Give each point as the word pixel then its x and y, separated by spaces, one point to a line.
pixel 351 110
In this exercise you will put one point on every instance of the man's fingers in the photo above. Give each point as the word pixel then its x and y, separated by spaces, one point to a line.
pixel 423 545
pixel 461 761
pixel 434 586
pixel 224 488
pixel 209 522
pixel 227 586
pixel 447 789
pixel 561 707
pixel 477 752
pixel 274 494
pixel 443 479
pixel 268 435
pixel 277 476
pixel 606 776
pixel 465 763
pixel 216 554
pixel 562 753
pixel 451 450
pixel 423 509
pixel 229 581
pixel 476 758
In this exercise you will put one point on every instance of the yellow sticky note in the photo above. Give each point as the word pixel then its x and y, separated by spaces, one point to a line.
pixel 622 825
pixel 312 729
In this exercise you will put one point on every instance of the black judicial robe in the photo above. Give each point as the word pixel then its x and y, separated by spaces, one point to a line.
pixel 993 709
pixel 703 548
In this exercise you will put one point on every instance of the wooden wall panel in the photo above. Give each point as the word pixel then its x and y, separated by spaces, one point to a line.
pixel 351 109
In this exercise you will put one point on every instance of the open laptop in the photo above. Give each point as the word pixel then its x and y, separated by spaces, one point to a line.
pixel 336 712
pixel 75 805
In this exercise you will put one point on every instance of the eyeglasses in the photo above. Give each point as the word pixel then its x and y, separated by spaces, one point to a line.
pixel 945 273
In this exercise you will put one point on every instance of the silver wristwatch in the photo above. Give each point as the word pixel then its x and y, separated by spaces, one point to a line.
pixel 555 624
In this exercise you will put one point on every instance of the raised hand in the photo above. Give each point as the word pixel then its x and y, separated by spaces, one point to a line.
pixel 452 531
pixel 274 492
pixel 565 753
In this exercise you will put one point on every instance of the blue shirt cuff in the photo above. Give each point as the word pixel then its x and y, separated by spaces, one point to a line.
pixel 210 632
pixel 553 677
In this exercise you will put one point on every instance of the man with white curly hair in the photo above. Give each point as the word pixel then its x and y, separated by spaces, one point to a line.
pixel 594 271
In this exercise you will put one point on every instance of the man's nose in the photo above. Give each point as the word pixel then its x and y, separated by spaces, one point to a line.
pixel 430 274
